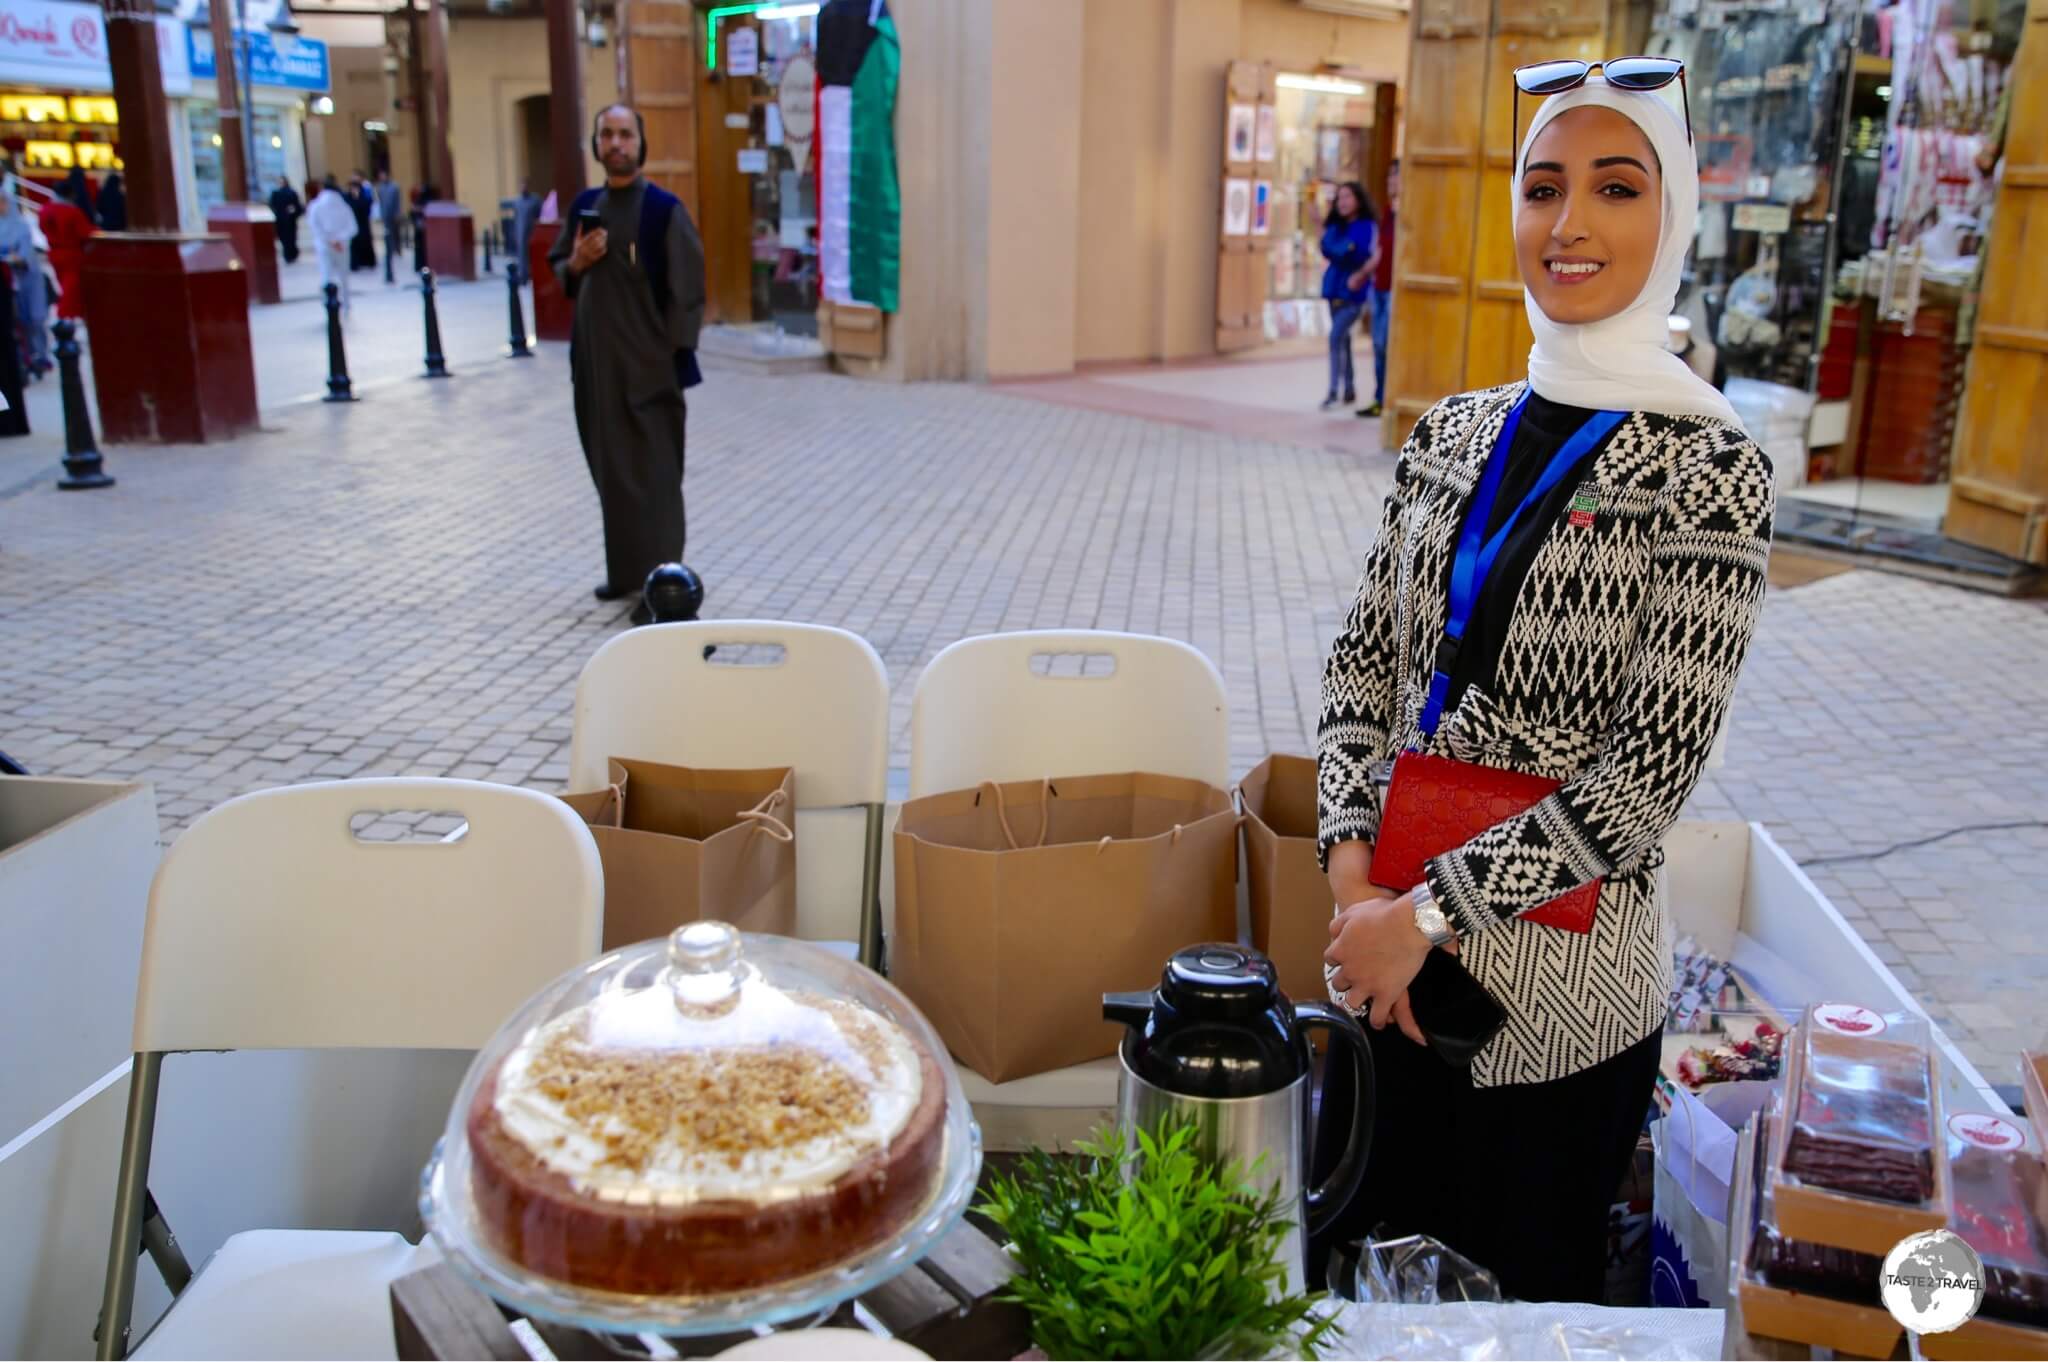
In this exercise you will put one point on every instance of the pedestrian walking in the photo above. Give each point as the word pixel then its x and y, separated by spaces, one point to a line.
pixel 333 224
pixel 362 247
pixel 1381 305
pixel 525 212
pixel 20 254
pixel 1347 281
pixel 113 203
pixel 287 207
pixel 390 208
pixel 1567 576
pixel 631 259
pixel 67 226
pixel 78 189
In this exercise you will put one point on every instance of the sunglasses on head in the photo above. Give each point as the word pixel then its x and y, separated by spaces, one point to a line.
pixel 1623 73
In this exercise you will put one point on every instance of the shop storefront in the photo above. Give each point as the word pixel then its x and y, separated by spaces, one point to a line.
pixel 1325 134
pixel 57 113
pixel 284 72
pixel 769 61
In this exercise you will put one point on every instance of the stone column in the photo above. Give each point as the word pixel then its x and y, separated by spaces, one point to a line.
pixel 145 132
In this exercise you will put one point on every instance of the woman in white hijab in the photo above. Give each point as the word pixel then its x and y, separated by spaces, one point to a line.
pixel 1567 574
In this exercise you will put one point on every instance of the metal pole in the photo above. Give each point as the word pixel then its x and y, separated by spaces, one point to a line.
pixel 83 467
pixel 487 250
pixel 390 249
pixel 131 1197
pixel 437 365
pixel 248 100
pixel 338 387
pixel 519 347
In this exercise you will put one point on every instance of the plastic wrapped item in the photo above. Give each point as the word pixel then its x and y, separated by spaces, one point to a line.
pixel 2001 1194
pixel 1557 1332
pixel 1416 1269
pixel 1857 1162
pixel 701 1134
pixel 1793 1290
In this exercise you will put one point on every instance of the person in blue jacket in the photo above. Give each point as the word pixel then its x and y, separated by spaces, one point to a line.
pixel 1350 245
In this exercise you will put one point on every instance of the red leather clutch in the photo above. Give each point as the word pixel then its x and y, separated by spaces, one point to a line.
pixel 1435 804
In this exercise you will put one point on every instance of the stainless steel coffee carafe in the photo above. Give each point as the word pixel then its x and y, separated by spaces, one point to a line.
pixel 1218 1044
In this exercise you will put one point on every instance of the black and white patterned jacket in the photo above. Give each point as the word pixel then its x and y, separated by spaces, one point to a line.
pixel 1619 661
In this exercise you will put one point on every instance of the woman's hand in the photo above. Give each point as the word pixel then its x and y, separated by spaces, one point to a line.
pixel 1357 281
pixel 1378 950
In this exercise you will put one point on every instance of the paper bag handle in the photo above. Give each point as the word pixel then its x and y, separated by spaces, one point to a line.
pixel 767 822
pixel 1045 794
pixel 615 804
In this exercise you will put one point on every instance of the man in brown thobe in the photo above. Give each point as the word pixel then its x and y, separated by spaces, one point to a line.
pixel 638 284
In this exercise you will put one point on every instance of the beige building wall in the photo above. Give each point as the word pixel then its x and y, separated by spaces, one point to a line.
pixel 1061 169
pixel 493 64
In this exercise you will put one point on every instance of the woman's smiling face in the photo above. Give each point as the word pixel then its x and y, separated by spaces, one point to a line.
pixel 1592 202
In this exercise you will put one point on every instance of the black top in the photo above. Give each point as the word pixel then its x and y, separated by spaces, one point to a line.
pixel 1217 1027
pixel 1544 428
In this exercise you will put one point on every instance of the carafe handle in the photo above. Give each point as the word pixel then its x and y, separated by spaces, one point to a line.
pixel 1328 1199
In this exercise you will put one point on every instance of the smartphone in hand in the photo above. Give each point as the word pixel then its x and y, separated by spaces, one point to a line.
pixel 588 221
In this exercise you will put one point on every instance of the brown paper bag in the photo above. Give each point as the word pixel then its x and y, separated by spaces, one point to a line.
pixel 1018 906
pixel 1290 896
pixel 679 844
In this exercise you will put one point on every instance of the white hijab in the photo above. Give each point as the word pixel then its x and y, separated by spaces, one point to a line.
pixel 1620 364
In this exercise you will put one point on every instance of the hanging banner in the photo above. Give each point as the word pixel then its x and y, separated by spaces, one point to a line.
pixel 797 97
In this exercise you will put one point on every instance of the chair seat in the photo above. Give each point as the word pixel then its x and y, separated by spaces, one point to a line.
pixel 290 1294
pixel 1051 1109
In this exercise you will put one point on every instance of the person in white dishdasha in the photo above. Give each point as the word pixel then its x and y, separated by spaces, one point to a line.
pixel 1567 574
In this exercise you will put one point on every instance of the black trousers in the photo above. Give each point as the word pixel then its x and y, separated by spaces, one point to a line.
pixel 1519 1178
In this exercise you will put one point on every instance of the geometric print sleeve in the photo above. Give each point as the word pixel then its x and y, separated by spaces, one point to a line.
pixel 1360 685
pixel 1704 592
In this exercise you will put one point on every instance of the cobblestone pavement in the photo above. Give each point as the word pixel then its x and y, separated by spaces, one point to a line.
pixel 402 587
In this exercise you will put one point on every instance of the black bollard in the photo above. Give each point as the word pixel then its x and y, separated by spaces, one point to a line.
pixel 338 387
pixel 390 250
pixel 13 379
pixel 519 347
pixel 437 366
pixel 488 234
pixel 83 467
pixel 419 241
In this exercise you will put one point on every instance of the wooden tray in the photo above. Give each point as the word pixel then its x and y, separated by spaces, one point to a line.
pixel 944 1305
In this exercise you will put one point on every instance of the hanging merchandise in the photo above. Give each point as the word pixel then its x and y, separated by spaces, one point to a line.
pixel 859 62
pixel 1752 300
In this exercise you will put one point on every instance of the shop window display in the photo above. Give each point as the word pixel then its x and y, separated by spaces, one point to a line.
pixel 1323 127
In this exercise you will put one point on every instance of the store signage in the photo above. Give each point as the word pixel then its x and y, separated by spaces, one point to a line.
pixel 743 52
pixel 59 45
pixel 300 66
pixel 753 161
pixel 1762 217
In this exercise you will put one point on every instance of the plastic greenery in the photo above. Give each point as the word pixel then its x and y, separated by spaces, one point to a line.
pixel 1150 1253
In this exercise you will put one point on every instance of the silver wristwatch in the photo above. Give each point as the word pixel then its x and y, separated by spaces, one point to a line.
pixel 1430 919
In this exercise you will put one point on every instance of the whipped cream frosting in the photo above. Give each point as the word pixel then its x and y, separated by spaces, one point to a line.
pixel 727 1056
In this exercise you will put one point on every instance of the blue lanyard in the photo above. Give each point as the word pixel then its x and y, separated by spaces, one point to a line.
pixel 1477 551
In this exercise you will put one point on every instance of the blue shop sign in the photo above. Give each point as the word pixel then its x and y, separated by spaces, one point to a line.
pixel 303 67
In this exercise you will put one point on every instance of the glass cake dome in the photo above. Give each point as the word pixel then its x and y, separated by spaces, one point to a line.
pixel 699 1135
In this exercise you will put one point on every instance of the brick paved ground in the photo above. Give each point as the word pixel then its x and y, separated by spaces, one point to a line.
pixel 403 587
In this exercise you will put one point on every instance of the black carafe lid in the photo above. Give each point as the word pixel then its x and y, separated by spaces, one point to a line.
pixel 1218 1026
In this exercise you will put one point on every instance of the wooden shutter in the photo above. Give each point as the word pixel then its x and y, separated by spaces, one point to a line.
pixel 1998 494
pixel 1242 266
pixel 1458 318
pixel 659 58
pixel 1439 197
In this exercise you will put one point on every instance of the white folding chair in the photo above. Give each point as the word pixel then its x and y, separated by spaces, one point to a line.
pixel 822 708
pixel 273 926
pixel 983 711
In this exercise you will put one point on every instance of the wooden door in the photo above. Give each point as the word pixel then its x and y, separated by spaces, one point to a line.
pixel 729 115
pixel 659 57
pixel 1439 197
pixel 1244 242
pixel 1497 336
pixel 1998 494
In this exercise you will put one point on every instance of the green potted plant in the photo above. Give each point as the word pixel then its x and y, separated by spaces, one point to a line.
pixel 1151 1252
